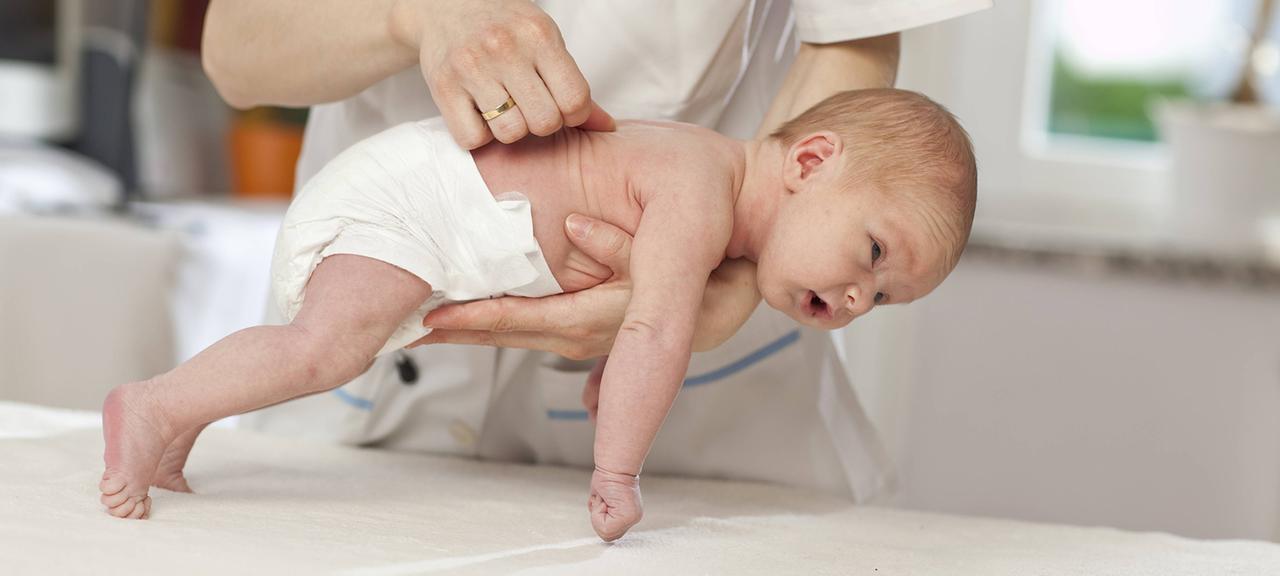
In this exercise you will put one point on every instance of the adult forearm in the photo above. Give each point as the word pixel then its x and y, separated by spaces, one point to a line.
pixel 300 52
pixel 821 70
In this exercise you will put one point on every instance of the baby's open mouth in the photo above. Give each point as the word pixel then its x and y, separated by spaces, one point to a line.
pixel 816 306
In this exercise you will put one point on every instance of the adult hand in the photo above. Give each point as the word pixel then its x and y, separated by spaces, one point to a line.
pixel 615 504
pixel 576 325
pixel 475 54
pixel 582 325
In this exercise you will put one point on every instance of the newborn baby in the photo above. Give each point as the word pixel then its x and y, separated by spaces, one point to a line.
pixel 865 199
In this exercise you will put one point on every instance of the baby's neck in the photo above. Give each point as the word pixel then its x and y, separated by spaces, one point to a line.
pixel 755 202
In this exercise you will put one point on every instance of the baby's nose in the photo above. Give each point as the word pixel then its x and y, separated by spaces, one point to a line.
pixel 856 301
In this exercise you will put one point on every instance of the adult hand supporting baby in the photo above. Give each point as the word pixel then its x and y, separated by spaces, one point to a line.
pixel 581 325
pixel 475 55
pixel 575 325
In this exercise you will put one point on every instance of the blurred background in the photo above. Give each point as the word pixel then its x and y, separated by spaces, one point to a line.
pixel 1107 352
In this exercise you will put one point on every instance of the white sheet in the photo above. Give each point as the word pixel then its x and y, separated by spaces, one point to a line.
pixel 19 420
pixel 267 505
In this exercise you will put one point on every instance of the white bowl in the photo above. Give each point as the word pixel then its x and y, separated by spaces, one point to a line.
pixel 1224 170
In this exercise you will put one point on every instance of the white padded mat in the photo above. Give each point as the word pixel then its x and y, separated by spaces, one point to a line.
pixel 274 506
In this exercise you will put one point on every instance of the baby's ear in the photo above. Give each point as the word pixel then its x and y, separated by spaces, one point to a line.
pixel 809 156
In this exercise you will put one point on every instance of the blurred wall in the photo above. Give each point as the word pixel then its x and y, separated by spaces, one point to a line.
pixel 1076 382
pixel 84 307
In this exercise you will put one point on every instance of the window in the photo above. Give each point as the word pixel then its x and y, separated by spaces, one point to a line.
pixel 1058 96
pixel 1108 62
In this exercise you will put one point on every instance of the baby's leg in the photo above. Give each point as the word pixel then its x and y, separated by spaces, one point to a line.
pixel 169 472
pixel 353 304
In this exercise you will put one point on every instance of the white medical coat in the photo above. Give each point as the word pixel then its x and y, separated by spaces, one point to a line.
pixel 772 404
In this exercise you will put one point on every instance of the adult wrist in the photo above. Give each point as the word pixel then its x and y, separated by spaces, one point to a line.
pixel 405 23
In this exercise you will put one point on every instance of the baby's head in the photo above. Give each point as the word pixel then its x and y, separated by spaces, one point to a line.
pixel 877 199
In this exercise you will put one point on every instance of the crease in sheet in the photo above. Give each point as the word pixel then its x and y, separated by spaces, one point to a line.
pixel 439 564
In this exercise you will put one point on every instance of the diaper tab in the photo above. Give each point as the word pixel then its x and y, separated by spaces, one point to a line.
pixel 519 213
pixel 501 237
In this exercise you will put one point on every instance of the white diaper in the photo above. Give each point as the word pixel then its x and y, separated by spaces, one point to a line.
pixel 409 196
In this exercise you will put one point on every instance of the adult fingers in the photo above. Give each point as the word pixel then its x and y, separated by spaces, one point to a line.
pixel 460 116
pixel 582 271
pixel 602 241
pixel 507 314
pixel 569 348
pixel 566 83
pixel 508 126
pixel 541 114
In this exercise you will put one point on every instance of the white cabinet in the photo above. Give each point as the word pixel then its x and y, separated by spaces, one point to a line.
pixel 1032 392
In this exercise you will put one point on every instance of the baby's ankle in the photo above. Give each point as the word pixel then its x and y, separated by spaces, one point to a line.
pixel 136 401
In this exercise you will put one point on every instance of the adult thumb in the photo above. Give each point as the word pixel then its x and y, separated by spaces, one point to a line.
pixel 598 120
pixel 600 241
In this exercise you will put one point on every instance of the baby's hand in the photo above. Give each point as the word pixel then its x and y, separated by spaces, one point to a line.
pixel 615 503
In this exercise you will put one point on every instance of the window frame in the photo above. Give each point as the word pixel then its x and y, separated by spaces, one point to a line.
pixel 992 69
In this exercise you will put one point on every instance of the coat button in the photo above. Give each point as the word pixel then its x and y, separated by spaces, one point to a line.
pixel 462 433
pixel 406 368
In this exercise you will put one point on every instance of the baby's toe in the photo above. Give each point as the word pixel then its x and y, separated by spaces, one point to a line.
pixel 112 482
pixel 113 500
pixel 128 508
pixel 138 510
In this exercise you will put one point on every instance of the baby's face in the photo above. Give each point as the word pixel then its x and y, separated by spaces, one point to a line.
pixel 835 253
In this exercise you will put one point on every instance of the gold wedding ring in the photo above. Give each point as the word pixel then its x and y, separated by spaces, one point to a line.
pixel 496 112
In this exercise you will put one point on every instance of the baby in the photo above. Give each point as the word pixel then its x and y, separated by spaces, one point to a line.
pixel 865 199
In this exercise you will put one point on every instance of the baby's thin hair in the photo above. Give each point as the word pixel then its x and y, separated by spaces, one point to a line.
pixel 898 140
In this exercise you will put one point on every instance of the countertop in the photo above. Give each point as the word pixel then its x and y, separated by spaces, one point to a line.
pixel 1120 240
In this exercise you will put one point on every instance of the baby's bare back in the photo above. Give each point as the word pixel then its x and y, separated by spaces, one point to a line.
pixel 606 175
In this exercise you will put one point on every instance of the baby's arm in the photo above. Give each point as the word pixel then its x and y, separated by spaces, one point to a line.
pixel 681 238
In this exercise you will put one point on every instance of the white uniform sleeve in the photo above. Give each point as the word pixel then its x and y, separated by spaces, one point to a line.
pixel 826 21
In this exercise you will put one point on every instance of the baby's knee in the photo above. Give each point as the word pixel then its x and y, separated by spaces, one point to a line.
pixel 330 360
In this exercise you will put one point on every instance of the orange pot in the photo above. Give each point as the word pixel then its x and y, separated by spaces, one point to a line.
pixel 263 156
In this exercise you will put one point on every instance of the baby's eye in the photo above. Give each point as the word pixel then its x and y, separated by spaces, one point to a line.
pixel 879 297
pixel 875 251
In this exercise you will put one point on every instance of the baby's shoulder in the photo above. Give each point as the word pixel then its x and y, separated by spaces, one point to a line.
pixel 662 156
pixel 667 141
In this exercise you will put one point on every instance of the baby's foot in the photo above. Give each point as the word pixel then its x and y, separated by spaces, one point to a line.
pixel 169 472
pixel 135 437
